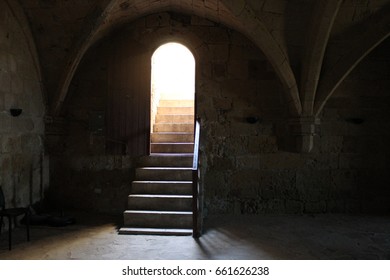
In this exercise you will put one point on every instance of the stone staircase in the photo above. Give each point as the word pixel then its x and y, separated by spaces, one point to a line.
pixel 161 197
pixel 173 131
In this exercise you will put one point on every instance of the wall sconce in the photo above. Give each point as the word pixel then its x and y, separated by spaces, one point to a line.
pixel 15 112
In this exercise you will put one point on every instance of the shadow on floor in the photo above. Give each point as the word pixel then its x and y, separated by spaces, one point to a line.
pixel 267 237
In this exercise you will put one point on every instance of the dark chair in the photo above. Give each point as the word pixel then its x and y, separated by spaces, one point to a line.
pixel 11 214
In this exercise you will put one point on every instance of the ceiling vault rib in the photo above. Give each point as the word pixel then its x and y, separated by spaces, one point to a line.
pixel 322 23
pixel 370 34
pixel 74 59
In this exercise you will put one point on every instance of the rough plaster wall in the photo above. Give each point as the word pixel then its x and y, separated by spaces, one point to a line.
pixel 22 164
pixel 244 169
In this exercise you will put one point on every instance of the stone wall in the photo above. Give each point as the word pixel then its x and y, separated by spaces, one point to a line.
pixel 239 99
pixel 23 166
pixel 246 171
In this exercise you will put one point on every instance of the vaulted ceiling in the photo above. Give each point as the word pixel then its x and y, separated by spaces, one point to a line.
pixel 312 45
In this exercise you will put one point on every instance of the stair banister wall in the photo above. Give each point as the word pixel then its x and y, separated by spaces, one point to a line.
pixel 195 181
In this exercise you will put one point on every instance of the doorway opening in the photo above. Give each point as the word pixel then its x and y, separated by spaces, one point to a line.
pixel 172 100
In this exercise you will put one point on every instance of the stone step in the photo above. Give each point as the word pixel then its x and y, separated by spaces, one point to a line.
pixel 176 103
pixel 175 118
pixel 172 137
pixel 167 154
pixel 158 219
pixel 162 187
pixel 166 160
pixel 163 174
pixel 155 231
pixel 174 127
pixel 175 111
pixel 160 202
pixel 171 147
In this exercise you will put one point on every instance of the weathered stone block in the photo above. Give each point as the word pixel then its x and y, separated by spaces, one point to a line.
pixel 9 100
pixel 334 128
pixel 331 144
pixel 352 161
pixel 237 145
pixel 237 39
pixel 262 144
pixel 268 144
pixel 5 81
pixel 224 104
pixel 236 6
pixel 158 20
pixel 31 144
pixel 315 207
pixel 244 192
pixel 198 21
pixel 4 62
pixel 221 163
pixel 2 102
pixel 219 70
pixel 7 171
pixel 128 162
pixel 336 206
pixel 323 161
pixel 237 69
pixel 354 206
pixel 344 183
pixel 219 52
pixel 294 206
pixel 275 205
pixel 215 182
pixel 236 50
pixel 217 35
pixel 207 70
pixel 243 128
pixel 351 144
pixel 267 129
pixel 252 206
pixel 282 160
pixel 268 194
pixel 218 205
pixel 280 182
pixel 243 178
pixel 329 114
pixel 247 161
pixel 12 144
pixel 236 89
pixel 259 70
pixel 16 85
pixel 313 185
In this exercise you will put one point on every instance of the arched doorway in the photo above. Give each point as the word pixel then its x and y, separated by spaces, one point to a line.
pixel 172 99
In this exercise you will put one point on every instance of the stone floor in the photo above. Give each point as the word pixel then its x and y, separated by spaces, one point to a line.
pixel 238 237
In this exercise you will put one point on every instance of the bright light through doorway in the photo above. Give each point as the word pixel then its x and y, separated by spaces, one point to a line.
pixel 173 72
